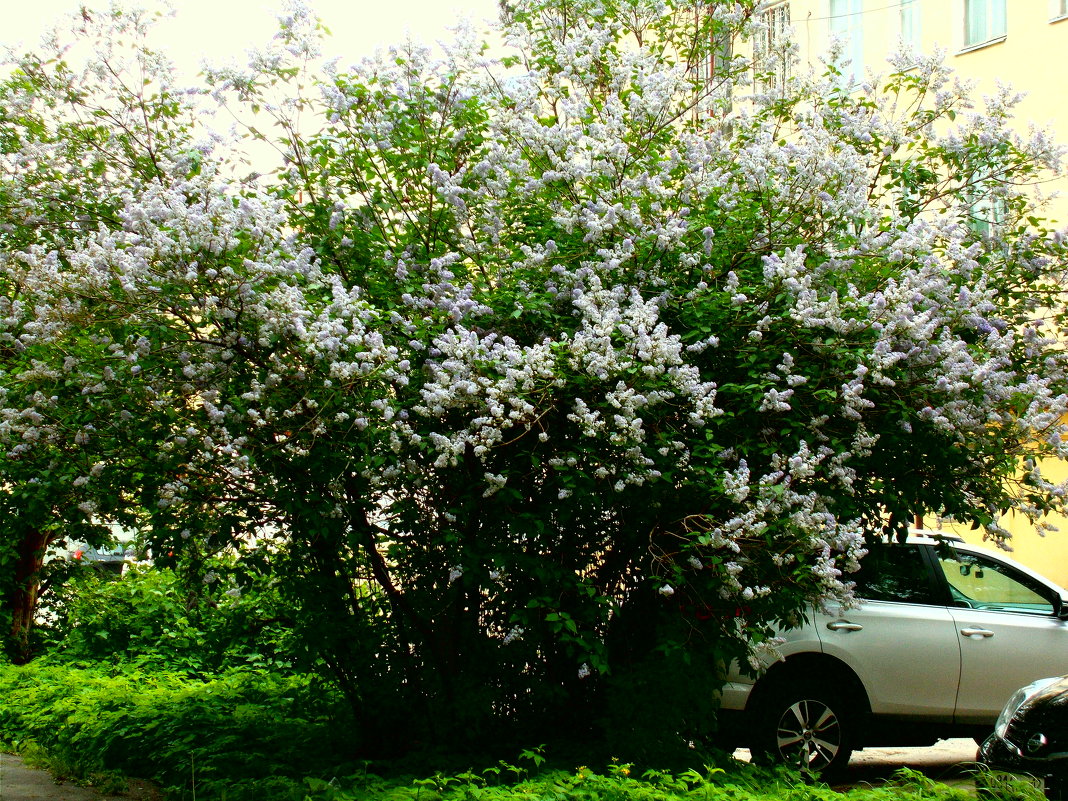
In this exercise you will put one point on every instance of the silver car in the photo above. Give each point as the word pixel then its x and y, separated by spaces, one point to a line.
pixel 945 633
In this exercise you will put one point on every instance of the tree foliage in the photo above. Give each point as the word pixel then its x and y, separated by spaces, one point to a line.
pixel 76 141
pixel 528 375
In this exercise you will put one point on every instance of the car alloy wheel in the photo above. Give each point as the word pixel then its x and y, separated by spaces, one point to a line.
pixel 809 735
pixel 800 721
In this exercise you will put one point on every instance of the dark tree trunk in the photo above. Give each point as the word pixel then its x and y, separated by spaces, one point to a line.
pixel 23 596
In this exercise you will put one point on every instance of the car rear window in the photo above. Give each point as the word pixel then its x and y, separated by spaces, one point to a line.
pixel 893 572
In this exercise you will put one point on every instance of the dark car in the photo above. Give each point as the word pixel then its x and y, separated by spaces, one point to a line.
pixel 1031 735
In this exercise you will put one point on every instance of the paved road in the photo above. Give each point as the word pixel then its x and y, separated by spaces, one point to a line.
pixel 950 761
pixel 20 783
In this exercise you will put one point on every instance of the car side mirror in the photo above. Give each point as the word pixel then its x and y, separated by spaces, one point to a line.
pixel 1060 607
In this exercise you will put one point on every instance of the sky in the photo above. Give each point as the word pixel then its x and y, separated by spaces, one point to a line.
pixel 221 30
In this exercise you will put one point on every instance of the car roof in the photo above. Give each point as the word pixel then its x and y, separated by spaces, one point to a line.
pixel 926 537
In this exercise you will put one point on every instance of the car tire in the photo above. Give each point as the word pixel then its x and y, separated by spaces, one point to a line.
pixel 805 726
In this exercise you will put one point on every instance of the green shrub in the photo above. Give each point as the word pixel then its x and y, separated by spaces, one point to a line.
pixel 651 701
pixel 620 783
pixel 100 616
pixel 228 615
pixel 183 733
pixel 252 735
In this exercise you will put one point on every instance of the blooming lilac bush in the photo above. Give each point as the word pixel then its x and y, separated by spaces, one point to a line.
pixel 530 372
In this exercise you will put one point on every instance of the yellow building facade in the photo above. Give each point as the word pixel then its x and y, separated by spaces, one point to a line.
pixel 1021 43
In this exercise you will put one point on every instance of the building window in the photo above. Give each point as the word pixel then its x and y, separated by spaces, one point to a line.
pixel 712 63
pixel 772 47
pixel 847 25
pixel 984 21
pixel 910 23
pixel 1058 9
pixel 987 210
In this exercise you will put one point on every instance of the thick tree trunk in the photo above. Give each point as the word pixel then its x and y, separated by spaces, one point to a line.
pixel 23 598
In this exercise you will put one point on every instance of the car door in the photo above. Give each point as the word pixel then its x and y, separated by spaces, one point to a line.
pixel 901 641
pixel 1007 627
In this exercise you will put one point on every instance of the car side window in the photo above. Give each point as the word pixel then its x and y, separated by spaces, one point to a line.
pixel 893 572
pixel 978 582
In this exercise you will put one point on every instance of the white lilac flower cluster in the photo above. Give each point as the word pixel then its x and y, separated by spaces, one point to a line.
pixel 576 276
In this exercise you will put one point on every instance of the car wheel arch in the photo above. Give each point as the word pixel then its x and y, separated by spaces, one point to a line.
pixel 811 707
pixel 809 666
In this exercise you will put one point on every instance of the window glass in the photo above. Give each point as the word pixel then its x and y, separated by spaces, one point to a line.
pixel 847 24
pixel 987 212
pixel 910 23
pixel 711 65
pixel 978 582
pixel 983 20
pixel 893 572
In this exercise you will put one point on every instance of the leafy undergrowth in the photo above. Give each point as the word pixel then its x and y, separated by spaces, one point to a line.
pixel 253 735
pixel 740 783
pixel 189 735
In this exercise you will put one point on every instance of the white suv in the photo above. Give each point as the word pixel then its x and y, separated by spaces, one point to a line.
pixel 946 632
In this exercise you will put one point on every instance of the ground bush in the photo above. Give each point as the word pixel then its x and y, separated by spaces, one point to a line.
pixel 253 735
pixel 227 615
pixel 740 783
pixel 242 727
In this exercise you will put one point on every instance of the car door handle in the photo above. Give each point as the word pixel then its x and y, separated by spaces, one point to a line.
pixel 844 625
pixel 977 632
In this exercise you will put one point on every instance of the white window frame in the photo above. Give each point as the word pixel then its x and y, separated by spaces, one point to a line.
pixel 716 62
pixel 985 22
pixel 1058 10
pixel 909 23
